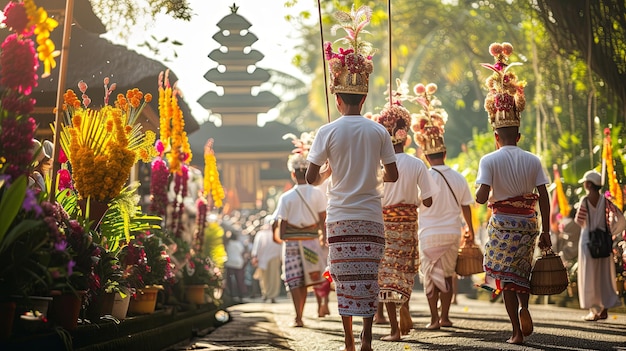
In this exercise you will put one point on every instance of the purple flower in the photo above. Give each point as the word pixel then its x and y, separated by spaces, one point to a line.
pixel 61 245
pixel 70 267
pixel 31 204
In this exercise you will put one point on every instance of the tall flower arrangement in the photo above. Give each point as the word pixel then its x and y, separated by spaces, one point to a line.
pixel 103 145
pixel 212 184
pixel 18 77
pixel 175 149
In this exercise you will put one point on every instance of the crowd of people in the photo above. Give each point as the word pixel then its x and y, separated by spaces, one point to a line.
pixel 370 218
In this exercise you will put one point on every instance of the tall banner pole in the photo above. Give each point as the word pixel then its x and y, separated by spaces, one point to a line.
pixel 390 50
pixel 319 12
pixel 65 50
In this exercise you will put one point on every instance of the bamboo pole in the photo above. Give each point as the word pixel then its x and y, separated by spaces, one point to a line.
pixel 319 13
pixel 63 63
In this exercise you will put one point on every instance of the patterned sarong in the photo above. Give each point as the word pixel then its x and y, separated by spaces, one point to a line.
pixel 293 269
pixel 512 229
pixel 401 258
pixel 355 250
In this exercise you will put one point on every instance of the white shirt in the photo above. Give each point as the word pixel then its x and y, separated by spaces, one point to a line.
pixel 264 248
pixel 444 216
pixel 293 209
pixel 510 171
pixel 414 182
pixel 354 147
pixel 234 253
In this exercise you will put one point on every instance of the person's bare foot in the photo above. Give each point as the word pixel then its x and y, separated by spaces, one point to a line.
pixel 433 326
pixel 516 339
pixel 392 337
pixel 348 344
pixel 445 323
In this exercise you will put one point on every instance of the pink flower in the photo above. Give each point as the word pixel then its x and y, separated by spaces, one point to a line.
pixel 419 89
pixel 62 157
pixel 18 64
pixel 507 49
pixel 15 17
pixel 495 49
pixel 65 179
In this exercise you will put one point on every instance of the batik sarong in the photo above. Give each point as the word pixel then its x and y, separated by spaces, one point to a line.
pixel 355 250
pixel 400 260
pixel 512 230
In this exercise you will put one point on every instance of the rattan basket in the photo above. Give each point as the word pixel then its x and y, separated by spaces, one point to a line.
pixel 470 260
pixel 548 276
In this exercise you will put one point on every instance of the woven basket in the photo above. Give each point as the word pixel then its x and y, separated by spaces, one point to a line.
pixel 470 260
pixel 548 276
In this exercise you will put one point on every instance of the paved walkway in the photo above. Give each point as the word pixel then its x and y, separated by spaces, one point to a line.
pixel 478 325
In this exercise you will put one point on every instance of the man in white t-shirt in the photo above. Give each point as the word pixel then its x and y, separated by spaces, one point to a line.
pixel 440 237
pixel 440 224
pixel 351 150
pixel 513 181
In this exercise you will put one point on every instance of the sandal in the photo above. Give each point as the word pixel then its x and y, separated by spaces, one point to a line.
pixel 526 322
pixel 604 314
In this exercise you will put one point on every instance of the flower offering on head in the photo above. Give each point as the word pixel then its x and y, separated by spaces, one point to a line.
pixel 103 145
pixel 429 124
pixel 297 160
pixel 395 117
pixel 350 68
pixel 505 98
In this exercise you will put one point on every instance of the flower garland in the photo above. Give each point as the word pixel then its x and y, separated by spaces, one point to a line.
pixel 212 182
pixel 103 145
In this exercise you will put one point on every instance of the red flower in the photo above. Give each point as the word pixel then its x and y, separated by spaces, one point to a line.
pixel 18 64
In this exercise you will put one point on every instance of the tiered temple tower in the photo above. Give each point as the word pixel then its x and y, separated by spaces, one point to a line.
pixel 237 105
pixel 251 159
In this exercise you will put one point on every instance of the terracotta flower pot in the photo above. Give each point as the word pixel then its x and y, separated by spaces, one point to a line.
pixel 195 294
pixel 144 301
pixel 65 308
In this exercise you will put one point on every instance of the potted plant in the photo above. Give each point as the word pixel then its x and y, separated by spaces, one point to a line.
pixel 200 274
pixel 24 250
pixel 147 268
pixel 111 292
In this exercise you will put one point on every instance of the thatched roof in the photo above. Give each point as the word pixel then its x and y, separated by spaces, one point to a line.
pixel 92 58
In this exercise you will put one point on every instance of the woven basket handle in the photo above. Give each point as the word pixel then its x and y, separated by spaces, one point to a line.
pixel 547 252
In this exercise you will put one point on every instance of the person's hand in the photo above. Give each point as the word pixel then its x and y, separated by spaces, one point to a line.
pixel 544 241
pixel 326 169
